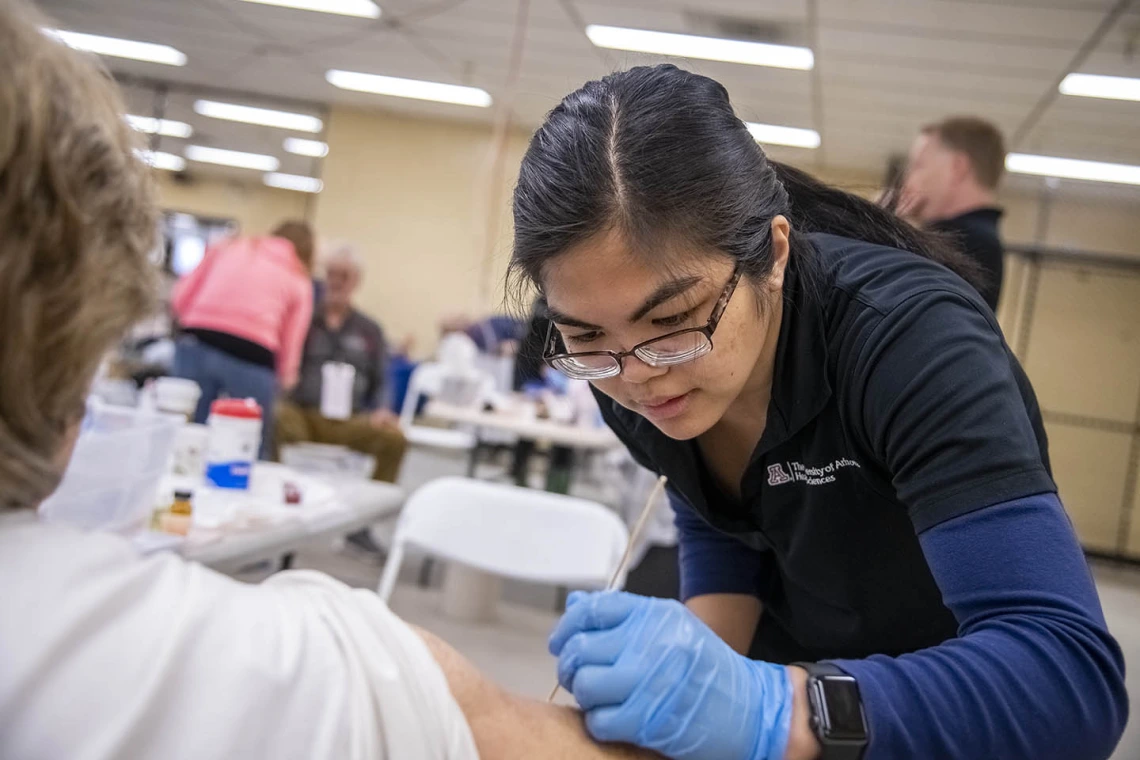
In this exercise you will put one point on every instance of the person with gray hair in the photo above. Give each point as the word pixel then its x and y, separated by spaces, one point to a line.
pixel 341 333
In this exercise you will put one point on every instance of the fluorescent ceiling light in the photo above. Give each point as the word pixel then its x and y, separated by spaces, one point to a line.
pixel 1072 168
pixel 708 48
pixel 301 147
pixel 409 88
pixel 160 160
pixel 231 158
pixel 361 8
pixel 149 125
pixel 112 46
pixel 770 134
pixel 263 116
pixel 294 182
pixel 1097 86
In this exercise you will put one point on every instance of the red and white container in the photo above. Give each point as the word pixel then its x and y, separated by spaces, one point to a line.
pixel 235 437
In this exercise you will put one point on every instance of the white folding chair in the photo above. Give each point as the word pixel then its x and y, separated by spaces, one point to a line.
pixel 510 532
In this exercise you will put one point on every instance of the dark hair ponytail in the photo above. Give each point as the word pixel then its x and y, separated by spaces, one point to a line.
pixel 817 207
pixel 659 153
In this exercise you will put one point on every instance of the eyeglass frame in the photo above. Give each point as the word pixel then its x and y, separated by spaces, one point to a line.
pixel 619 356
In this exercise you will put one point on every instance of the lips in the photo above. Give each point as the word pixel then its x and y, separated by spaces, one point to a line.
pixel 664 407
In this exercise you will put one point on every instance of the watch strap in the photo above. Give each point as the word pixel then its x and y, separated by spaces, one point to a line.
pixel 830 750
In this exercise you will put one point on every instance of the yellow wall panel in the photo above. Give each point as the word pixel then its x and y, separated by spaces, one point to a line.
pixel 413 196
pixel 1089 467
pixel 1084 347
pixel 256 208
pixel 1134 535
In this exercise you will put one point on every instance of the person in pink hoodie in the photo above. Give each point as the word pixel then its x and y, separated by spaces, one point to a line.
pixel 244 313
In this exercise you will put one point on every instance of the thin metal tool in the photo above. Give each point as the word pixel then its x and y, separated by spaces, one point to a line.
pixel 634 535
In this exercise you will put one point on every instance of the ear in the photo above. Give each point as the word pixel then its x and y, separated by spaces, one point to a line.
pixel 781 229
pixel 961 167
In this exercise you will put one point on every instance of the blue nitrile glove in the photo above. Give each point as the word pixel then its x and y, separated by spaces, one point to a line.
pixel 649 672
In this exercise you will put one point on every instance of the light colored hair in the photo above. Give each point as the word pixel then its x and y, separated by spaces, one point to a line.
pixel 77 222
pixel 979 140
pixel 344 253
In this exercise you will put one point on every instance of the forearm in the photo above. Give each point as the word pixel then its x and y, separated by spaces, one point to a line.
pixel 506 726
pixel 733 617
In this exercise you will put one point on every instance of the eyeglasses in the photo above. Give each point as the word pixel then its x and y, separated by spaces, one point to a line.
pixel 665 351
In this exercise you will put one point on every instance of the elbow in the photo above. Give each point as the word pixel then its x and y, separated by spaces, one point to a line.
pixel 1102 703
pixel 1116 697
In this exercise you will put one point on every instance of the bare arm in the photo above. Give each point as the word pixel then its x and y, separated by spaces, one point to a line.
pixel 506 726
pixel 733 617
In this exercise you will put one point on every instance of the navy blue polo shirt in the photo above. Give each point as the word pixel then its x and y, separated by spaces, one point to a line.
pixel 896 405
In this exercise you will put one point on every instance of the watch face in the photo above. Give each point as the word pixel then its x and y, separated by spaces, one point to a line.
pixel 844 711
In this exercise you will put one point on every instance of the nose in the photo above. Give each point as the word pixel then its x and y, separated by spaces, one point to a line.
pixel 636 371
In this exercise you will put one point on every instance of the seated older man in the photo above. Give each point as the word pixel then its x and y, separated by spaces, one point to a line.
pixel 341 333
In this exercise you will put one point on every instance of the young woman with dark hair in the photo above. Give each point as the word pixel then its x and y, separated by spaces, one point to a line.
pixel 874 559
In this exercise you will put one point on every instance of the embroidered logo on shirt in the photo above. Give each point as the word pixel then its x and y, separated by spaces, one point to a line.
pixel 813 476
pixel 777 475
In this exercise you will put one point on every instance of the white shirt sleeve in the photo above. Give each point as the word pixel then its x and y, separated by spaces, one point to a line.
pixel 106 655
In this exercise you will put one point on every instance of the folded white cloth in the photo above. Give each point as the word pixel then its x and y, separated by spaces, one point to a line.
pixel 104 654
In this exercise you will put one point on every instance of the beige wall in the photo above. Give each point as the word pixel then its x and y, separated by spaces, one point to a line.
pixel 415 197
pixel 256 208
pixel 1083 357
pixel 1105 226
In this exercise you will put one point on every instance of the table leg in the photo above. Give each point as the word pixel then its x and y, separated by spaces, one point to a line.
pixel 561 467
pixel 470 595
pixel 473 458
pixel 520 466
pixel 425 572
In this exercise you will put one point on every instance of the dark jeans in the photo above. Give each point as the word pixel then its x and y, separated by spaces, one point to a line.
pixel 220 375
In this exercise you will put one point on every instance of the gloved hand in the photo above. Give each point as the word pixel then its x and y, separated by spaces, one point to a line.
pixel 649 672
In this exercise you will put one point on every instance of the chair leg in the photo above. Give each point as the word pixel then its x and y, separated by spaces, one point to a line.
pixel 473 459
pixel 425 572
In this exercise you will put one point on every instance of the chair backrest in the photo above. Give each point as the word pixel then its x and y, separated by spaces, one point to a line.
pixel 467 387
pixel 457 351
pixel 424 381
pixel 510 531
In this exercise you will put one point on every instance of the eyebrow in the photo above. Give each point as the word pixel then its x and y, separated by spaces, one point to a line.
pixel 666 292
pixel 567 321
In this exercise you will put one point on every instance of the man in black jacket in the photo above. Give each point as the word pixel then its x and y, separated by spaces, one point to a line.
pixel 950 186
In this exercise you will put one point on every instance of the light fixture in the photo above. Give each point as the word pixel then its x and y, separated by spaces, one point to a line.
pixel 1072 168
pixel 361 8
pixel 770 134
pixel 236 158
pixel 1098 86
pixel 264 116
pixel 409 88
pixel 294 182
pixel 302 147
pixel 112 46
pixel 160 160
pixel 708 48
pixel 151 126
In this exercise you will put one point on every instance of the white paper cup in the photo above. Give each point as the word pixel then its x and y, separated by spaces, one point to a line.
pixel 176 395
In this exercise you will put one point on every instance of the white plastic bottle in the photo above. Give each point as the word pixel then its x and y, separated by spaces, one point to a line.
pixel 235 437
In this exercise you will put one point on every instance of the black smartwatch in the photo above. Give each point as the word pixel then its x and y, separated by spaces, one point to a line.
pixel 837 718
